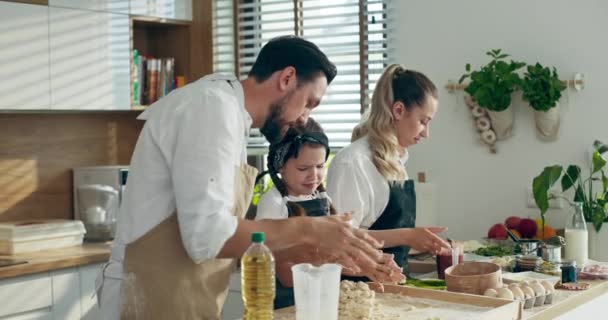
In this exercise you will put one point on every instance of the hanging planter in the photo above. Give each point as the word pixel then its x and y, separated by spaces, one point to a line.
pixel 491 88
pixel 542 89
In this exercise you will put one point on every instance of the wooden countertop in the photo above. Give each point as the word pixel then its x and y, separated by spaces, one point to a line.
pixel 48 260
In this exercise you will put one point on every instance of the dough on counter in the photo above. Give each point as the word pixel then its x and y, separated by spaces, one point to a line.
pixel 356 301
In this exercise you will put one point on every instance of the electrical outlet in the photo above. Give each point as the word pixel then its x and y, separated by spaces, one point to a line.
pixel 555 203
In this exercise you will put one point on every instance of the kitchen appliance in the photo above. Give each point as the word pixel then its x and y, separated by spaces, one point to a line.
pixel 97 195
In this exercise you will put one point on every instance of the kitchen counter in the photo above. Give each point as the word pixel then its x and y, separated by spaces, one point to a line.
pixel 48 260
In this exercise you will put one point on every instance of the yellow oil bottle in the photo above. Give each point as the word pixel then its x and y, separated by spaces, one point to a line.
pixel 258 280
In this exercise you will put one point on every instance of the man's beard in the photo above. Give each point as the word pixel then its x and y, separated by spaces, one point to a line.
pixel 273 126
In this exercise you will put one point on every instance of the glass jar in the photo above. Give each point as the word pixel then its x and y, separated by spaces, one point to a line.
pixel 549 267
pixel 568 271
pixel 527 263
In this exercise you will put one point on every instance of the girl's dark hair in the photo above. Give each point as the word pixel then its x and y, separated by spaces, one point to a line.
pixel 282 52
pixel 310 133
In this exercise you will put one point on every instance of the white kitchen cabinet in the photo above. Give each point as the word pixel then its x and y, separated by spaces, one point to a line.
pixel 26 297
pixel 88 299
pixel 170 9
pixel 24 56
pixel 64 294
pixel 116 6
pixel 89 59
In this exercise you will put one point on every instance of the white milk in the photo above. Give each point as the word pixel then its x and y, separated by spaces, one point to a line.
pixel 576 246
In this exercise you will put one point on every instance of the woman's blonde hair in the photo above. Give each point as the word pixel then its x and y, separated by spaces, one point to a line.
pixel 410 87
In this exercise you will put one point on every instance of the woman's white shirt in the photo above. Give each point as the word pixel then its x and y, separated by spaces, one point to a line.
pixel 355 185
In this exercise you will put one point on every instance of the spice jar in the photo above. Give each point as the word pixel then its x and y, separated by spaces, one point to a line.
pixel 550 268
pixel 568 271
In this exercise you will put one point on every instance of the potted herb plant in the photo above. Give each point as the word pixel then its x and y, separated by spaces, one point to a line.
pixel 542 89
pixel 594 201
pixel 492 86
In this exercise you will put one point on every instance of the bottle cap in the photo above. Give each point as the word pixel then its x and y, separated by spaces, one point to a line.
pixel 257 237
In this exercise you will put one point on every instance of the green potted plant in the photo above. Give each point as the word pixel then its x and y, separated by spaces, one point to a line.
pixel 542 89
pixel 492 86
pixel 594 202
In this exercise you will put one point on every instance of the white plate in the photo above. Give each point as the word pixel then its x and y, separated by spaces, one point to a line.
pixel 528 276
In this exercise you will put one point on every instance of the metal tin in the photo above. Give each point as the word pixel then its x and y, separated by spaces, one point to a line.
pixel 528 247
pixel 552 253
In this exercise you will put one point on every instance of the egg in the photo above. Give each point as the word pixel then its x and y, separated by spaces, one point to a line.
pixel 529 292
pixel 517 293
pixel 525 282
pixel 538 289
pixel 490 293
pixel 504 293
pixel 548 286
pixel 513 285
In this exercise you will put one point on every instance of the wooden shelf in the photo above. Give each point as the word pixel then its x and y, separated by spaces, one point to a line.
pixel 189 42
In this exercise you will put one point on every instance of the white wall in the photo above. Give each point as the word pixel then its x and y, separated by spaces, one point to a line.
pixel 475 188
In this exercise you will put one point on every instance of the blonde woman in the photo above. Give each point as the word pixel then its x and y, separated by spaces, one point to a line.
pixel 368 177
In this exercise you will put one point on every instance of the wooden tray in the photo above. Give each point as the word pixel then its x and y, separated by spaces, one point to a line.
pixel 498 309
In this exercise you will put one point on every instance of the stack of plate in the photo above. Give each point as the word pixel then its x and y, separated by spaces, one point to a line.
pixel 36 235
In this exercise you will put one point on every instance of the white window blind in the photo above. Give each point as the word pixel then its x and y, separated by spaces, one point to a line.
pixel 353 34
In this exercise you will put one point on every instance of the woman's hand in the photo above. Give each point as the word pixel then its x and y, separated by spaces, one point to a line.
pixel 389 273
pixel 426 239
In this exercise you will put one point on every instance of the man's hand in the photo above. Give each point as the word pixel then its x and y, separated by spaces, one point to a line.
pixel 353 248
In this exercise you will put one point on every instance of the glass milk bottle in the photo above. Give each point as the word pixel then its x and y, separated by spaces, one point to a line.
pixel 576 236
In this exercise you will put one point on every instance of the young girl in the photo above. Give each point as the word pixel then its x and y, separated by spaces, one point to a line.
pixel 297 167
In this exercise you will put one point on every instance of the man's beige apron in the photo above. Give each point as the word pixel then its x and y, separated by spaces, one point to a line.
pixel 162 282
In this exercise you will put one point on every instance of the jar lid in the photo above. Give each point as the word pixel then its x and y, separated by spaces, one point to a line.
pixel 567 262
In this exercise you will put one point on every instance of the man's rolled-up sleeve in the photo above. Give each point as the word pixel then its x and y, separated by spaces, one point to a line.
pixel 203 172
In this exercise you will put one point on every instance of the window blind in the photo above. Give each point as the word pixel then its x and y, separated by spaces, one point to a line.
pixel 353 33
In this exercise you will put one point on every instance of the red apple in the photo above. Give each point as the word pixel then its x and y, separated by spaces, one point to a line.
pixel 497 231
pixel 513 222
pixel 527 228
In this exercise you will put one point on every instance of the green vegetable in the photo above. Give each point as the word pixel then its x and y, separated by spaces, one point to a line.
pixel 426 284
pixel 492 251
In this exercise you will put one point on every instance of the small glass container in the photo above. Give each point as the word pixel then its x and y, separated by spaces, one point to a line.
pixel 527 263
pixel 550 268
pixel 568 271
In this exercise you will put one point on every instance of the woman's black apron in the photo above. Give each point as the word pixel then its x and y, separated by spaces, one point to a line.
pixel 400 212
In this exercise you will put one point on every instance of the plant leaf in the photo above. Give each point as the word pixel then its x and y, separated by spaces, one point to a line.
pixel 598 162
pixel 572 174
pixel 598 215
pixel 579 195
pixel 541 185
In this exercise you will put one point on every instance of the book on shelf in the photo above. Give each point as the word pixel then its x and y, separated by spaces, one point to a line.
pixel 153 78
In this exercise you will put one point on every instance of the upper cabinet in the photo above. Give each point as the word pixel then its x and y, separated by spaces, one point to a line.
pixel 89 59
pixel 116 6
pixel 24 53
pixel 169 9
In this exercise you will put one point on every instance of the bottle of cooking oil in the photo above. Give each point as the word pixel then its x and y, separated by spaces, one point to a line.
pixel 258 280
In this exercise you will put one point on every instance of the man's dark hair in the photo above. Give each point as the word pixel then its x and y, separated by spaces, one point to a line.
pixel 282 52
